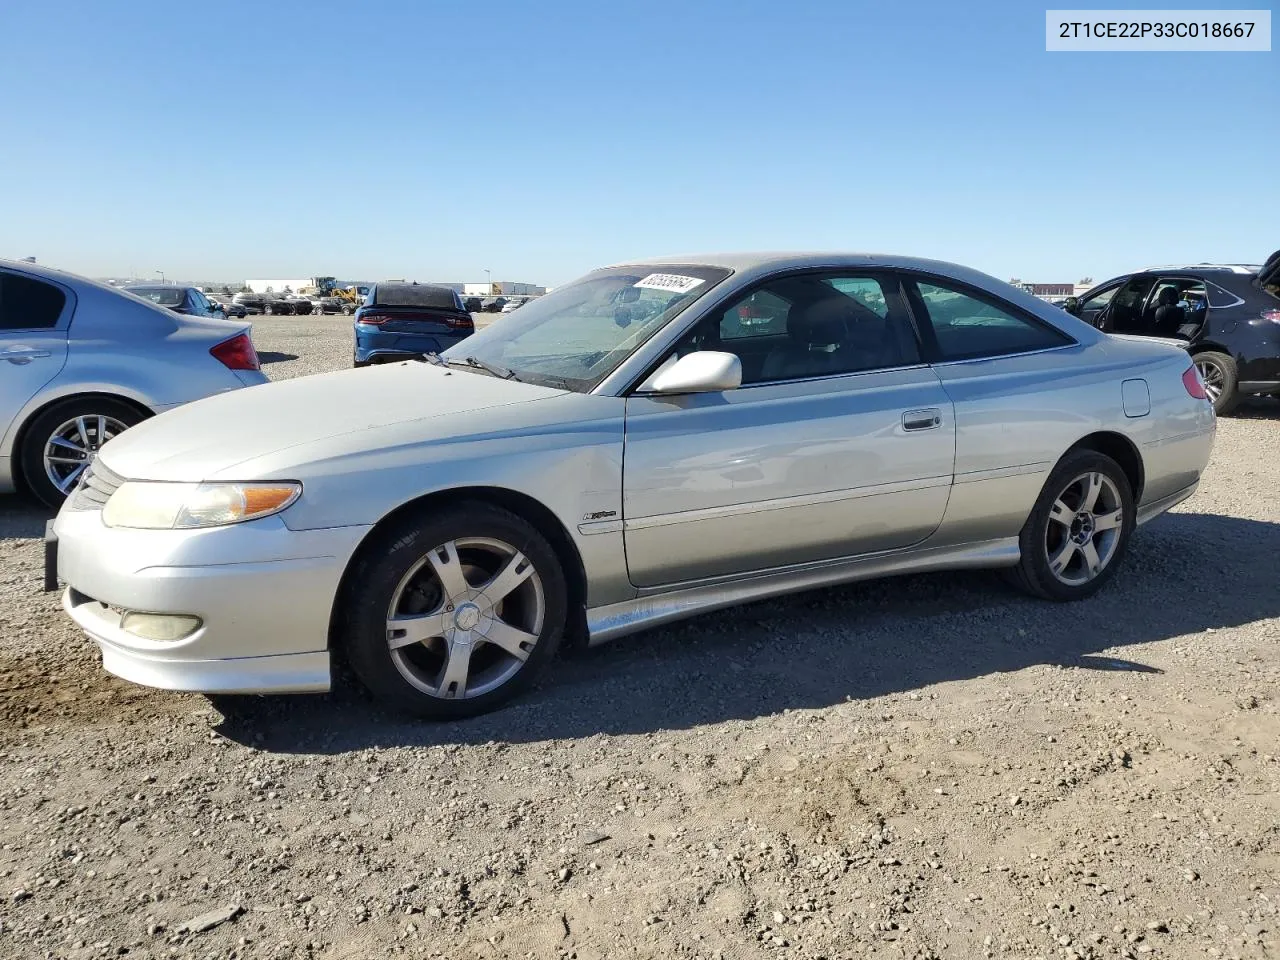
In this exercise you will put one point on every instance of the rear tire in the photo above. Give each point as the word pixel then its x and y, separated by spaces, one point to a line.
pixel 452 612
pixel 1221 379
pixel 1078 530
pixel 66 435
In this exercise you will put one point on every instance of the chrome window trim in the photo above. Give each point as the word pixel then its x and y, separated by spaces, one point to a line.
pixel 1007 356
pixel 778 383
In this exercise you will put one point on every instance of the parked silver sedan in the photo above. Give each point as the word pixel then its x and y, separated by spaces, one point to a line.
pixel 653 441
pixel 81 361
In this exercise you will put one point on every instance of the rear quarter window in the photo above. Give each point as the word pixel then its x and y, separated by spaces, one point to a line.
pixel 1221 297
pixel 970 326
pixel 29 304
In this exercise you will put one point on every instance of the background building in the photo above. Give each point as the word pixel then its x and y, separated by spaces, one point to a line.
pixel 498 288
pixel 277 285
pixel 1054 291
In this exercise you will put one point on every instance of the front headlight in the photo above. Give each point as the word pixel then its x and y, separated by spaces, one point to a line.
pixel 146 505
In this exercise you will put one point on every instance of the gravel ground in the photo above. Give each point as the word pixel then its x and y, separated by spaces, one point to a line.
pixel 931 766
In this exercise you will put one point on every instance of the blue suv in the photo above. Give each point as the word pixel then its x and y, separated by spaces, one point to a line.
pixel 402 320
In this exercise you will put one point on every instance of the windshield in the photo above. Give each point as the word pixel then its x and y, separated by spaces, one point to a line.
pixel 576 335
pixel 165 296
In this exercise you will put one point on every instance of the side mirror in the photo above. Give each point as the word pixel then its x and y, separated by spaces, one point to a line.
pixel 706 371
pixel 1072 306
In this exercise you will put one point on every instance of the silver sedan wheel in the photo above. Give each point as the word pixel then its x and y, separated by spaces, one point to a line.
pixel 1084 528
pixel 465 618
pixel 74 445
pixel 1213 377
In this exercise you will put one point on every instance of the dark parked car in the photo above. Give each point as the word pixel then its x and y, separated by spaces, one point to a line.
pixel 323 305
pixel 473 304
pixel 253 303
pixel 229 306
pixel 278 306
pixel 403 320
pixel 1228 315
pixel 188 301
pixel 493 304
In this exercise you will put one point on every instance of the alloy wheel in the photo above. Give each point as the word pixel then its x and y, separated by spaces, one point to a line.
pixel 1213 377
pixel 74 446
pixel 1085 523
pixel 464 619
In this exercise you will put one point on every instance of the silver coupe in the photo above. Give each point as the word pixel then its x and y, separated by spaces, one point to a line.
pixel 653 441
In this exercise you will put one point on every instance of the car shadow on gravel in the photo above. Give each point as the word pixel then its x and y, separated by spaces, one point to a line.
pixel 1185 574
pixel 21 518
pixel 274 356
pixel 1257 408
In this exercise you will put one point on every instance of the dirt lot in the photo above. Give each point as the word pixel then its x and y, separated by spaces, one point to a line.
pixel 926 767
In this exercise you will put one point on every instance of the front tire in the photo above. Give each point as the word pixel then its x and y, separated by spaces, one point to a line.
pixel 453 612
pixel 1078 530
pixel 1221 379
pixel 62 441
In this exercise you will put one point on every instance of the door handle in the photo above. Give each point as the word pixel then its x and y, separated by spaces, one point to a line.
pixel 22 354
pixel 927 419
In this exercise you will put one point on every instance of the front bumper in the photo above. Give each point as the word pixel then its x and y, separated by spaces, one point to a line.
pixel 264 595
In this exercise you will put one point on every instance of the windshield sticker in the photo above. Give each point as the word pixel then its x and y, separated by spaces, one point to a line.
pixel 669 281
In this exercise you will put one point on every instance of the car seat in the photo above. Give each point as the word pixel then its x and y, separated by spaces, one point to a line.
pixel 1168 316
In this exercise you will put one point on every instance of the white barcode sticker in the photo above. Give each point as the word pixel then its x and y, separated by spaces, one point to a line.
pixel 669 281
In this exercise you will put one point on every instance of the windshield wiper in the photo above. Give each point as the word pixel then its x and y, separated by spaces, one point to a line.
pixel 502 373
pixel 431 357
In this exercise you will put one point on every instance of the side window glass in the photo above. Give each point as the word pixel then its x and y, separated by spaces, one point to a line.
pixel 1125 315
pixel 812 325
pixel 1176 308
pixel 28 304
pixel 969 327
pixel 865 291
pixel 1098 301
pixel 1218 297
pixel 762 314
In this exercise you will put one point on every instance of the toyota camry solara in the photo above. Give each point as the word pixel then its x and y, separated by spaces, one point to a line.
pixel 652 441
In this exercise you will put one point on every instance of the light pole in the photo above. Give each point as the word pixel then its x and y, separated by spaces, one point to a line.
pixel 161 272
pixel 488 279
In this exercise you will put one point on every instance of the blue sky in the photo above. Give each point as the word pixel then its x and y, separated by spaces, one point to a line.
pixel 436 139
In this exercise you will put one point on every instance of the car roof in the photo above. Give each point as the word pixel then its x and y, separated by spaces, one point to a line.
pixel 1240 268
pixel 751 267
pixel 783 260
pixel 53 274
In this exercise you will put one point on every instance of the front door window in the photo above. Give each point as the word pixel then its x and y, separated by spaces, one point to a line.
pixel 1125 314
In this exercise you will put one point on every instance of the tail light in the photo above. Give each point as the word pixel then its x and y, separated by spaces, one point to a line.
pixel 237 353
pixel 374 319
pixel 464 323
pixel 1195 386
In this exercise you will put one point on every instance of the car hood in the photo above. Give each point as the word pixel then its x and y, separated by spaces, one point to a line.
pixel 210 437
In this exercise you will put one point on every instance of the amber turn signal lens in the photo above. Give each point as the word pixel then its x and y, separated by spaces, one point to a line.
pixel 266 499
